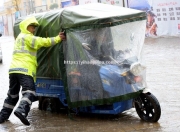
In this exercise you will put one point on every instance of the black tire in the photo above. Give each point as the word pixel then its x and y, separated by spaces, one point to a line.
pixel 51 104
pixel 40 98
pixel 147 107
pixel 0 61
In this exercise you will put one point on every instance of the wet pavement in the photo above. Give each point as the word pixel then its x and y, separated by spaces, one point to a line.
pixel 163 78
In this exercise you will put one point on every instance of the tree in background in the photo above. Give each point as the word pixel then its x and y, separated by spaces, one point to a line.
pixel 16 3
pixel 53 6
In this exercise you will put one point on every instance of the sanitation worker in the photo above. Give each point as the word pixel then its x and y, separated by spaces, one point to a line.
pixel 22 72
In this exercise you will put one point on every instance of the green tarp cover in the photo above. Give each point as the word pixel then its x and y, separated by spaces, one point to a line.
pixel 88 81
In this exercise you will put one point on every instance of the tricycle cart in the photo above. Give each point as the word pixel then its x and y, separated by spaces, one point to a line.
pixel 99 68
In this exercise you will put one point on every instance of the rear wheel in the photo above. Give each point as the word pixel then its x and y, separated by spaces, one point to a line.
pixel 147 107
pixel 40 98
pixel 51 104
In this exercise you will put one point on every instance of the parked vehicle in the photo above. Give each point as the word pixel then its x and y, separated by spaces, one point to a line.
pixel 1 56
pixel 99 68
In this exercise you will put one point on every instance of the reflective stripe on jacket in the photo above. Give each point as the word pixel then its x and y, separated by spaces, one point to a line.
pixel 25 49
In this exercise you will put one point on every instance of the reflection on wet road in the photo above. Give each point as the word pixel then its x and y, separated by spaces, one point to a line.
pixel 163 78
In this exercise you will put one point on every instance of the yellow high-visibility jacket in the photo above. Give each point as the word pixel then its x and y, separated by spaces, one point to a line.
pixel 24 59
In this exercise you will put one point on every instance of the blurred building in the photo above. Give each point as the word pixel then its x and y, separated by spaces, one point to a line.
pixel 14 9
pixel 26 7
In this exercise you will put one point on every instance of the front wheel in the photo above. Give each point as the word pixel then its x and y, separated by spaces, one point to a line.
pixel 147 107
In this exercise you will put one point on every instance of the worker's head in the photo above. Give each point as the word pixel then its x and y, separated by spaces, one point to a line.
pixel 28 25
pixel 32 28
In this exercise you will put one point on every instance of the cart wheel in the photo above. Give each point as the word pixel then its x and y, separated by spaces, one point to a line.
pixel 51 104
pixel 148 107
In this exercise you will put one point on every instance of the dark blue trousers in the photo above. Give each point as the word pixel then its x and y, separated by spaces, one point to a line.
pixel 16 81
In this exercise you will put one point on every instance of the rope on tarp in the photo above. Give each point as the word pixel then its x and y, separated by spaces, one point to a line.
pixel 132 18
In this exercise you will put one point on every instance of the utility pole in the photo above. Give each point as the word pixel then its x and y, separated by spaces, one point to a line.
pixel 31 6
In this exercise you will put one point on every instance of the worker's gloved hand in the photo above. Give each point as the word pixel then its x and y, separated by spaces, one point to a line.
pixel 86 46
pixel 62 36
